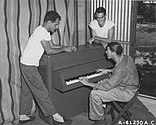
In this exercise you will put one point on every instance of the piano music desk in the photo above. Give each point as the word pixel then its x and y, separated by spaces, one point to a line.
pixel 59 70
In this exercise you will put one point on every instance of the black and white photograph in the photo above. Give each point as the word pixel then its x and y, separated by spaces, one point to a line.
pixel 78 62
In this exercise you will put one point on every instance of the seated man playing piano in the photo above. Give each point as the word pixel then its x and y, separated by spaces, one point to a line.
pixel 102 30
pixel 120 86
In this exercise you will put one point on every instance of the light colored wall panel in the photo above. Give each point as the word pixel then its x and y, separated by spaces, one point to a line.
pixel 119 11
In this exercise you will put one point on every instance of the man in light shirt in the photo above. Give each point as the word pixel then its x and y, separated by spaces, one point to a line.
pixel 102 30
pixel 32 86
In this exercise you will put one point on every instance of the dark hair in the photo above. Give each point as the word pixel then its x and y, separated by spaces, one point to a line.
pixel 100 10
pixel 51 16
pixel 115 47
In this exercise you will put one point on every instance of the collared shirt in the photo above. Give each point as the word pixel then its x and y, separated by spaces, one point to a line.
pixel 124 75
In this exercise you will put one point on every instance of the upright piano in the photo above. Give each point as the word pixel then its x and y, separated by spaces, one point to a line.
pixel 61 72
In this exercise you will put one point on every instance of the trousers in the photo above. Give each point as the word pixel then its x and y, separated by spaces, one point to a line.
pixel 33 87
pixel 98 97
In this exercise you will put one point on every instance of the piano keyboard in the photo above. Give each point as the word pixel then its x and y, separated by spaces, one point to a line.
pixel 88 76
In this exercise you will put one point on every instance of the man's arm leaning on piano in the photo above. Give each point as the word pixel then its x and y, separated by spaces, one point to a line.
pixel 51 48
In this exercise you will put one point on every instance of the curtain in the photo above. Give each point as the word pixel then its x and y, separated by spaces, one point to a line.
pixel 18 20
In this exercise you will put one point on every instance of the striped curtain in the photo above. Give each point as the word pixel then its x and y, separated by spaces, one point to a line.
pixel 121 13
pixel 18 20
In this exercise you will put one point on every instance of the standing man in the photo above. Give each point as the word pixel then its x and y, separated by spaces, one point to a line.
pixel 32 84
pixel 120 86
pixel 102 30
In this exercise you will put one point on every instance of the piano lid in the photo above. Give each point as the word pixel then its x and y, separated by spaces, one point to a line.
pixel 84 54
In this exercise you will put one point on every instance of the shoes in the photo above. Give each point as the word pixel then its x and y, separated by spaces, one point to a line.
pixel 24 121
pixel 66 122
pixel 100 122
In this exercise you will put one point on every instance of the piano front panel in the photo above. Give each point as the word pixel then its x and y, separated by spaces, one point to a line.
pixel 85 54
pixel 74 72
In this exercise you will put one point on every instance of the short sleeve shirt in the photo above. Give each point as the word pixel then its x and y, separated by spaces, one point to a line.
pixel 34 49
pixel 101 31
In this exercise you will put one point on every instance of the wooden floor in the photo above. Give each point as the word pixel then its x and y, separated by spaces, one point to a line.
pixel 140 113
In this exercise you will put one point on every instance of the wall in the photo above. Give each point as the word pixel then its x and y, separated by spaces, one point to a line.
pixel 122 13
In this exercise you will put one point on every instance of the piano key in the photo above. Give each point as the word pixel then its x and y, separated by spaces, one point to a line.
pixel 92 75
pixel 72 81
